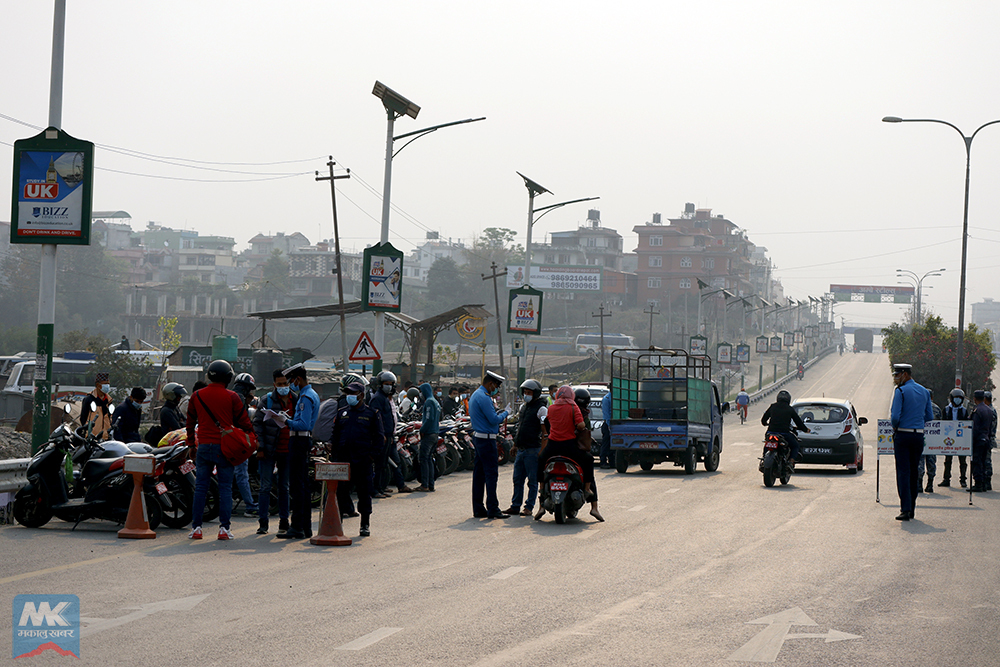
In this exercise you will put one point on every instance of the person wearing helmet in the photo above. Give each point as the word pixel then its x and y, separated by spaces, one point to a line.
pixel 527 444
pixel 357 437
pixel 955 410
pixel 170 414
pixel 245 386
pixel 206 438
pixel 382 403
pixel 779 418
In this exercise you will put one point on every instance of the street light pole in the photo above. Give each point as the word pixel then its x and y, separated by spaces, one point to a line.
pixel 920 283
pixel 967 140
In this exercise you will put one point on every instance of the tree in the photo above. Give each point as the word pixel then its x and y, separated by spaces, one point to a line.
pixel 443 280
pixel 126 370
pixel 169 338
pixel 930 348
pixel 81 340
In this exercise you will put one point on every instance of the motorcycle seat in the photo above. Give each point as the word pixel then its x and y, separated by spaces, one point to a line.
pixel 97 468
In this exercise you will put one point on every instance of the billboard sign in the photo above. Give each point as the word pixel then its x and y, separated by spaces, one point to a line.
pixel 382 272
pixel 762 344
pixel 724 353
pixel 743 354
pixel 524 311
pixel 698 346
pixel 565 278
pixel 872 293
pixel 775 343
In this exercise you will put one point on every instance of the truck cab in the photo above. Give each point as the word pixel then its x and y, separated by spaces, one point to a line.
pixel 665 407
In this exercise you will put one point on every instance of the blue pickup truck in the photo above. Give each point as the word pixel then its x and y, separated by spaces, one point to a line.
pixel 664 407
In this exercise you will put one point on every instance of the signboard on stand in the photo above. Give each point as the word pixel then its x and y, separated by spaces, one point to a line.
pixel 775 343
pixel 789 339
pixel 724 353
pixel 517 347
pixel 698 346
pixel 524 311
pixel 743 353
pixel 382 273
pixel 762 344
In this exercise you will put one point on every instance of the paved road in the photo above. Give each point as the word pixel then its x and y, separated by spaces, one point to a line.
pixel 709 569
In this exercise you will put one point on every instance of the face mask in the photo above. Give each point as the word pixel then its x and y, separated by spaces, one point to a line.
pixel 464 396
pixel 494 391
pixel 283 391
pixel 957 401
pixel 438 394
pixel 106 388
pixel 387 388
pixel 352 399
pixel 528 396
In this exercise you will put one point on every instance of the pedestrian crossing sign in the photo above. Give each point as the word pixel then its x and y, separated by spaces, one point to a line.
pixel 364 349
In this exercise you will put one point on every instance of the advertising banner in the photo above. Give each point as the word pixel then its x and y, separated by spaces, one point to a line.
pixel 743 353
pixel 53 189
pixel 948 438
pixel 724 353
pixel 789 339
pixel 382 273
pixel 566 278
pixel 762 344
pixel 799 338
pixel 524 311
pixel 698 346
pixel 873 293
pixel 775 343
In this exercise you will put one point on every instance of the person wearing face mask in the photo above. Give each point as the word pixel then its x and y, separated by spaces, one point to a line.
pixel 485 427
pixel 527 443
pixel 452 403
pixel 95 411
pixel 128 415
pixel 273 452
pixel 357 438
pixel 953 411
pixel 429 436
pixel 299 445
pixel 382 403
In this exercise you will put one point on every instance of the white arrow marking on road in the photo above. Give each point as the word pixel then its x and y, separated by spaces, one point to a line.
pixel 509 572
pixel 368 640
pixel 672 490
pixel 766 644
pixel 96 625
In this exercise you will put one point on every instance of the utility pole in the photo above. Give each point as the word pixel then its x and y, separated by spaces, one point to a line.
pixel 651 312
pixel 602 315
pixel 496 300
pixel 336 248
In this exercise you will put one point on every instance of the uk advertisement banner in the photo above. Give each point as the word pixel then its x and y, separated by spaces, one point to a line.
pixel 524 311
pixel 383 275
pixel 567 278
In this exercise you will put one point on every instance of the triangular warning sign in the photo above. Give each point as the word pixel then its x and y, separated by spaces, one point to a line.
pixel 364 349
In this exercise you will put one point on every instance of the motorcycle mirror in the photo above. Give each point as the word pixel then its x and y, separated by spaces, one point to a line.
pixel 67 408
pixel 111 408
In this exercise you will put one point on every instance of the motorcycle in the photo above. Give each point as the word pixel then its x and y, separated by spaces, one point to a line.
pixel 104 489
pixel 800 373
pixel 561 490
pixel 774 461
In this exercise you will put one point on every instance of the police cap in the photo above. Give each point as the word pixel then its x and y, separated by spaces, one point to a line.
pixel 296 371
pixel 354 388
pixel 901 368
pixel 495 377
pixel 979 394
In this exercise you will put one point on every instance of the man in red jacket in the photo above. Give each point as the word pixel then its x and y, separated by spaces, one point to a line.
pixel 208 407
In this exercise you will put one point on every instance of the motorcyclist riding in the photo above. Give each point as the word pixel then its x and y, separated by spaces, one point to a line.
pixel 779 417
pixel 743 401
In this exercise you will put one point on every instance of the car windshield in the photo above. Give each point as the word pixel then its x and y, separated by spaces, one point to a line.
pixel 819 413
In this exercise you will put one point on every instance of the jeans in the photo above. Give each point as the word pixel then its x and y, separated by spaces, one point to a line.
pixel 210 456
pixel 298 482
pixel 265 468
pixel 484 477
pixel 525 467
pixel 930 464
pixel 428 443
pixel 360 482
pixel 907 450
pixel 606 455
pixel 243 484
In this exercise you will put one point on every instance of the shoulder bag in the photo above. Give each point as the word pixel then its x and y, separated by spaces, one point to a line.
pixel 237 445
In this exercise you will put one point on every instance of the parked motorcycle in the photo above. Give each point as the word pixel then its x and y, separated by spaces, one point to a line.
pixel 561 489
pixel 105 490
pixel 774 461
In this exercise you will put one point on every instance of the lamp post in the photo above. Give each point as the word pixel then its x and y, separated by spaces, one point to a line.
pixel 905 273
pixel 396 106
pixel 967 140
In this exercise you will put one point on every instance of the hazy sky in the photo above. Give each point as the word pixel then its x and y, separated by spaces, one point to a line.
pixel 766 112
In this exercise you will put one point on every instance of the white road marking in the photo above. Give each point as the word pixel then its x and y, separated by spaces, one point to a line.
pixel 766 644
pixel 368 640
pixel 587 534
pixel 672 490
pixel 508 573
pixel 636 508
pixel 95 625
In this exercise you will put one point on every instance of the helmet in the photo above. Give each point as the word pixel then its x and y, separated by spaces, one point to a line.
pixel 534 386
pixel 386 377
pixel 172 391
pixel 582 398
pixel 412 393
pixel 219 371
pixel 957 392
pixel 350 378
pixel 784 397
pixel 244 383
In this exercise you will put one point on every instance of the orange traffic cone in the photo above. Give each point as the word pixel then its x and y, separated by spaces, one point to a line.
pixel 331 532
pixel 137 525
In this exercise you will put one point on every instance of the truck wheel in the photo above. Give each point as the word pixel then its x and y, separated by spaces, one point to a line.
pixel 712 458
pixel 690 460
pixel 621 461
pixel 646 464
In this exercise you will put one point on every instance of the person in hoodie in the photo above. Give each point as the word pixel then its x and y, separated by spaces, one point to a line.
pixel 430 426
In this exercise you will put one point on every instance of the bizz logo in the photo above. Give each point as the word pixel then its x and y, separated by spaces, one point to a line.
pixel 42 623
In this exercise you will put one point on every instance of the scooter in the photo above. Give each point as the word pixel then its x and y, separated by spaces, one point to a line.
pixel 800 373
pixel 105 488
pixel 774 461
pixel 562 491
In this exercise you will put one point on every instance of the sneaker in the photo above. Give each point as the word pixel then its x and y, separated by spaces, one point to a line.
pixel 282 525
pixel 225 534
pixel 251 514
pixel 365 531
pixel 262 527
pixel 195 534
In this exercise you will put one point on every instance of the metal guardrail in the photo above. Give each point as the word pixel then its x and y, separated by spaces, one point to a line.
pixel 777 384
pixel 13 474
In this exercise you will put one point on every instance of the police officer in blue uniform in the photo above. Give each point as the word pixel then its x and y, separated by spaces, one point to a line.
pixel 485 421
pixel 357 438
pixel 911 407
pixel 299 447
pixel 982 424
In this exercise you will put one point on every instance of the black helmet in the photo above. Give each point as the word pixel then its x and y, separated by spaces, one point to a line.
pixel 534 386
pixel 957 392
pixel 386 377
pixel 784 397
pixel 412 393
pixel 244 383
pixel 219 371
pixel 582 398
pixel 350 378
pixel 172 391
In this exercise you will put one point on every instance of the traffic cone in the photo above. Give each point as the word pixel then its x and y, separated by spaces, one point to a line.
pixel 136 524
pixel 331 532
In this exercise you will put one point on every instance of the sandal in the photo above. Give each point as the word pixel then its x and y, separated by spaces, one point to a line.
pixel 597 515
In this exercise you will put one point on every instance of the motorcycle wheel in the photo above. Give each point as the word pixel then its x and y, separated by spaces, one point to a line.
pixel 182 500
pixel 560 513
pixel 503 452
pixel 690 460
pixel 621 461
pixel 31 510
pixel 769 470
pixel 468 460
pixel 452 457
pixel 154 513
pixel 440 464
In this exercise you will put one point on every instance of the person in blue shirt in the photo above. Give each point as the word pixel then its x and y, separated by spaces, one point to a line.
pixel 605 455
pixel 430 427
pixel 911 407
pixel 743 402
pixel 299 445
pixel 485 427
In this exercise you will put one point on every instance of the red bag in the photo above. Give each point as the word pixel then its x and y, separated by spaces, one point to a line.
pixel 236 444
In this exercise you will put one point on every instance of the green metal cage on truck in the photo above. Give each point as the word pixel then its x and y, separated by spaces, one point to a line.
pixel 664 407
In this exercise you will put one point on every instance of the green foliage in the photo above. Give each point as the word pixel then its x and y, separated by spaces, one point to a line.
pixel 930 348
pixel 81 340
pixel 169 338
pixel 18 339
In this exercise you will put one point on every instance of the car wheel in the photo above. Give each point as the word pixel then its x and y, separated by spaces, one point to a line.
pixel 861 459
pixel 712 460
pixel 690 460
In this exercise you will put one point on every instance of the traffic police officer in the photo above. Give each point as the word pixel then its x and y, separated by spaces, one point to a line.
pixel 982 423
pixel 993 443
pixel 911 407
pixel 485 426
pixel 357 438
pixel 299 446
